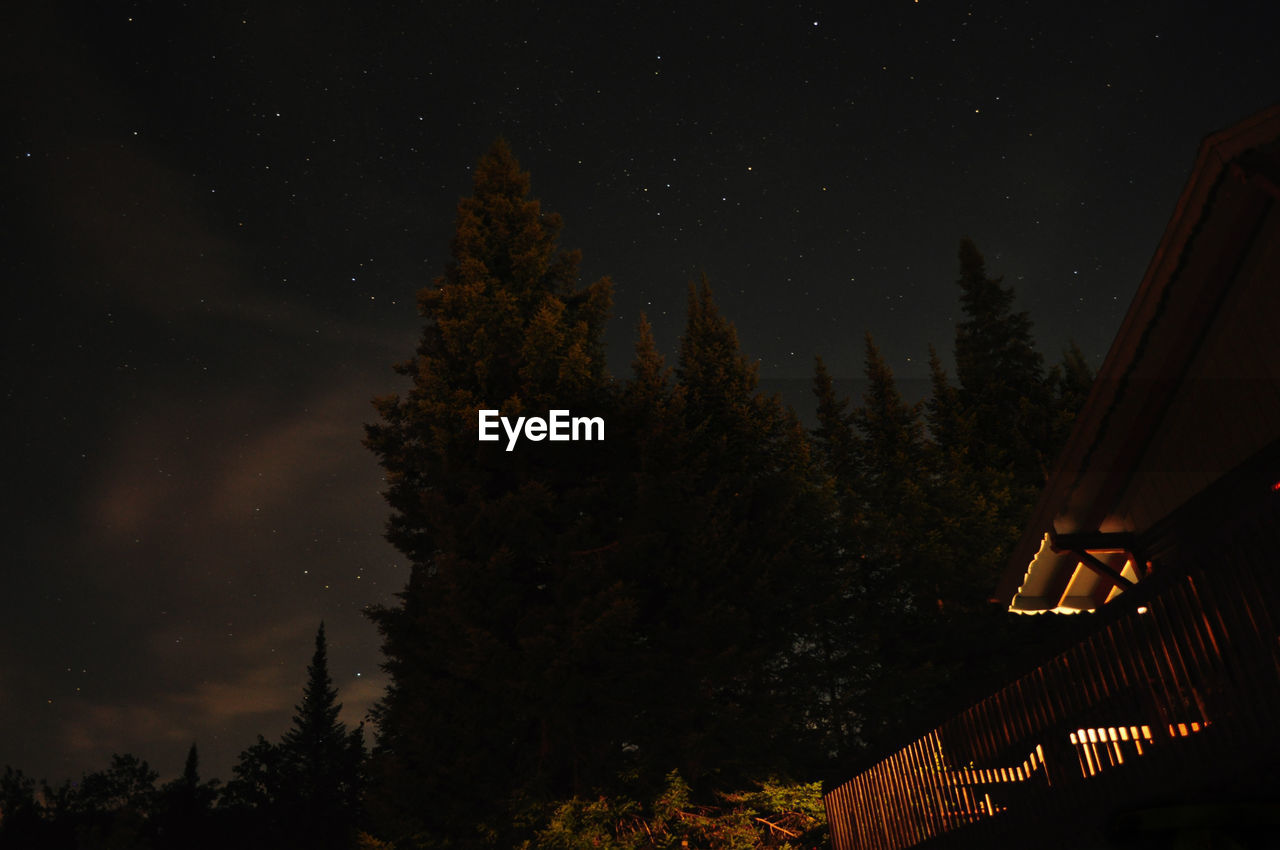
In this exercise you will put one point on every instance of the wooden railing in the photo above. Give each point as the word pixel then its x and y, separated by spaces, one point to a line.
pixel 1176 693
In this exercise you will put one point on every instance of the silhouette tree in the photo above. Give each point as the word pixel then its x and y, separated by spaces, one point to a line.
pixel 1071 381
pixel 184 808
pixel 892 469
pixel 20 813
pixel 306 790
pixel 112 807
pixel 492 647
pixel 259 778
pixel 322 761
pixel 969 503
pixel 732 547
pixel 845 641
pixel 1003 385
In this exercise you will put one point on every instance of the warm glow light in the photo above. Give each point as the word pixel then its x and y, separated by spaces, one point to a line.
pixel 1142 609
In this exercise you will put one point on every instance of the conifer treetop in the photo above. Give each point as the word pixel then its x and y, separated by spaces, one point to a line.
pixel 316 717
pixel 711 364
pixel 650 375
pixel 506 322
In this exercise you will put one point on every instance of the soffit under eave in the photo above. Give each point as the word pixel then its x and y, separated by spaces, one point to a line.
pixel 1060 581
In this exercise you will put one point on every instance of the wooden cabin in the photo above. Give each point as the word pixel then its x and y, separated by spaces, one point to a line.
pixel 1162 521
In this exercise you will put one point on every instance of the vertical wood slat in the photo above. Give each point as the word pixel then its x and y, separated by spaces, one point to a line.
pixel 1175 639
pixel 1257 622
pixel 1222 666
pixel 937 767
pixel 1137 684
pixel 1236 624
pixel 897 814
pixel 913 784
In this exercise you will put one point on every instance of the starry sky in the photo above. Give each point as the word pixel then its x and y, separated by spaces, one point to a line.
pixel 217 215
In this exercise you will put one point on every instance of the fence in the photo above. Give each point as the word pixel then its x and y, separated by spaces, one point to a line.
pixel 1174 696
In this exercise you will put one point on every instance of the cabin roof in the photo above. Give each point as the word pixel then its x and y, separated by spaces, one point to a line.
pixel 1068 557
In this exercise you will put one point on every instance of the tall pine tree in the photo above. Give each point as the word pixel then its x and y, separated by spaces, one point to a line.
pixel 1071 381
pixel 994 439
pixel 845 640
pixel 1002 377
pixel 737 559
pixel 1015 414
pixel 306 790
pixel 904 576
pixel 509 607
pixel 969 502
pixel 323 761
pixel 184 810
pixel 891 449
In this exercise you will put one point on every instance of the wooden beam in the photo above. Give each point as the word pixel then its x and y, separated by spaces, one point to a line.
pixel 1080 544
pixel 1089 561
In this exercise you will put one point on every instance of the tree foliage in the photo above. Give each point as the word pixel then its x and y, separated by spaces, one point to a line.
pixel 724 540
pixel 774 815
pixel 932 496
pixel 20 812
pixel 184 808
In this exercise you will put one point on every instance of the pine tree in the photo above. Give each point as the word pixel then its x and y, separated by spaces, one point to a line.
pixel 184 809
pixel 510 605
pixel 720 381
pixel 949 428
pixel 735 559
pixel 891 447
pixel 993 439
pixel 904 577
pixel 844 637
pixel 1003 386
pixel 649 401
pixel 304 791
pixel 837 445
pixel 323 760
pixel 1071 381
pixel 969 503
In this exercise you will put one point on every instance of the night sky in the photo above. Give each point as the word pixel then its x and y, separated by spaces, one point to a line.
pixel 216 221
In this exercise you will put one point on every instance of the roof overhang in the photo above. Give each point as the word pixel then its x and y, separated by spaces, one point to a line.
pixel 1067 577
pixel 1235 179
